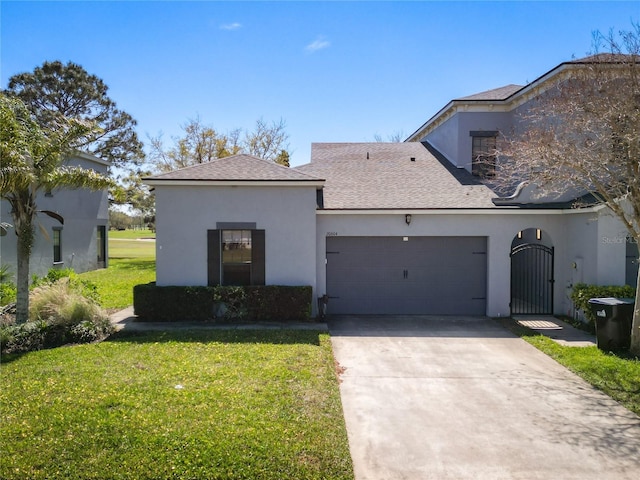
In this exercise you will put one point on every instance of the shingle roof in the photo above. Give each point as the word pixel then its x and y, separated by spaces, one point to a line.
pixel 607 58
pixel 383 176
pixel 236 168
pixel 501 93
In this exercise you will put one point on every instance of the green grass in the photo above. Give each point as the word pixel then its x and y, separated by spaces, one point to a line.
pixel 131 234
pixel 141 246
pixel 131 262
pixel 115 284
pixel 616 375
pixel 209 404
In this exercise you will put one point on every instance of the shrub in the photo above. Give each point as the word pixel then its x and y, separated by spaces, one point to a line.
pixel 582 293
pixel 151 302
pixel 5 273
pixel 231 303
pixel 85 287
pixel 58 314
pixel 278 302
pixel 8 293
pixel 270 302
pixel 7 287
pixel 88 331
pixel 42 334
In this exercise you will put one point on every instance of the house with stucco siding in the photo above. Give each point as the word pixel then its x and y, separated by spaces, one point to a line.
pixel 80 242
pixel 393 228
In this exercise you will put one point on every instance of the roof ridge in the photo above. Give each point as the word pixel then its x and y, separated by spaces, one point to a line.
pixel 508 90
pixel 241 166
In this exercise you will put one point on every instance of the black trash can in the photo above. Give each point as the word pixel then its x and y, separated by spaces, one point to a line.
pixel 614 317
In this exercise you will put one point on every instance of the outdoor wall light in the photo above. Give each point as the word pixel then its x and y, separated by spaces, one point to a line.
pixel 407 218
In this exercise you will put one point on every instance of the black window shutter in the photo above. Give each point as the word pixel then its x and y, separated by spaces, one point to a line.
pixel 213 257
pixel 257 257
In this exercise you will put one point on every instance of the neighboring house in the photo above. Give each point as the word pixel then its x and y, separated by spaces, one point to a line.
pixel 392 228
pixel 81 242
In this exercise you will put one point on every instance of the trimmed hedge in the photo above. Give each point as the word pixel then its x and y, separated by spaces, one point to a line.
pixel 582 293
pixel 268 302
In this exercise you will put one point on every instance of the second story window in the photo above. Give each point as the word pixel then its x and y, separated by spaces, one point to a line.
pixel 483 153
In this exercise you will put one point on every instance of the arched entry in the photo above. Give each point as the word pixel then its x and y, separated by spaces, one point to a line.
pixel 532 273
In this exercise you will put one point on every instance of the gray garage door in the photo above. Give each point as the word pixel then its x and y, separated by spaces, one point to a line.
pixel 410 275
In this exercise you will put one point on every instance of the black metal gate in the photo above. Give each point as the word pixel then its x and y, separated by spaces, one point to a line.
pixel 532 279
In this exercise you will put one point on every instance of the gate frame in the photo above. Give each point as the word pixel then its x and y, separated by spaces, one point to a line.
pixel 538 286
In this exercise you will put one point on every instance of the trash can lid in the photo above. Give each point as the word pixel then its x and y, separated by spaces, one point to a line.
pixel 612 301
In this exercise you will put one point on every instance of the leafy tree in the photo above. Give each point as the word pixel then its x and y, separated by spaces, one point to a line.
pixel 119 220
pixel 283 158
pixel 584 134
pixel 201 143
pixel 55 90
pixel 266 140
pixel 33 160
pixel 133 194
pixel 138 196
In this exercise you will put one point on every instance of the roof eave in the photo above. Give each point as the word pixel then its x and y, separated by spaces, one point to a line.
pixel 452 107
pixel 90 157
pixel 237 183
pixel 453 104
pixel 497 210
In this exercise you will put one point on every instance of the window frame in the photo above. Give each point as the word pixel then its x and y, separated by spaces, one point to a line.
pixel 101 246
pixel 215 258
pixel 483 164
pixel 57 245
pixel 237 244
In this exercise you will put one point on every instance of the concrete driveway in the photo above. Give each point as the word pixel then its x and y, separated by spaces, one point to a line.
pixel 461 398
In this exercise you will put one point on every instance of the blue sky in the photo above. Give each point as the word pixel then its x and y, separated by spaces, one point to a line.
pixel 333 71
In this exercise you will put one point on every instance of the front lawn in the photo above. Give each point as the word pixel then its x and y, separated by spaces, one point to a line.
pixel 616 375
pixel 115 284
pixel 132 261
pixel 206 404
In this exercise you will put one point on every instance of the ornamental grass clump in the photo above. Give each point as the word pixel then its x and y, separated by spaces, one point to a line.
pixel 60 303
pixel 58 314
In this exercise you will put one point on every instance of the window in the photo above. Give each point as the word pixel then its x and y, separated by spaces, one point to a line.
pixel 101 239
pixel 483 153
pixel 57 245
pixel 236 257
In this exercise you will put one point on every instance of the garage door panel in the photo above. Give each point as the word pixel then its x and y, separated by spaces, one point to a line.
pixel 424 275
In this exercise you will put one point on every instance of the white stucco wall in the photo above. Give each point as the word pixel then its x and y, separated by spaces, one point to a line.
pixel 185 213
pixel 452 137
pixel 585 241
pixel 573 235
pixel 612 249
pixel 445 139
pixel 478 121
pixel 83 210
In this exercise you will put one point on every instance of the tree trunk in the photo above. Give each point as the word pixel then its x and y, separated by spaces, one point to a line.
pixel 23 212
pixel 635 325
pixel 22 284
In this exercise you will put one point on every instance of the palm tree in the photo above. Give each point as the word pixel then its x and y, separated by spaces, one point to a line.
pixel 33 160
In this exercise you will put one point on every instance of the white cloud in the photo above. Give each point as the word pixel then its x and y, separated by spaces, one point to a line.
pixel 231 26
pixel 319 44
